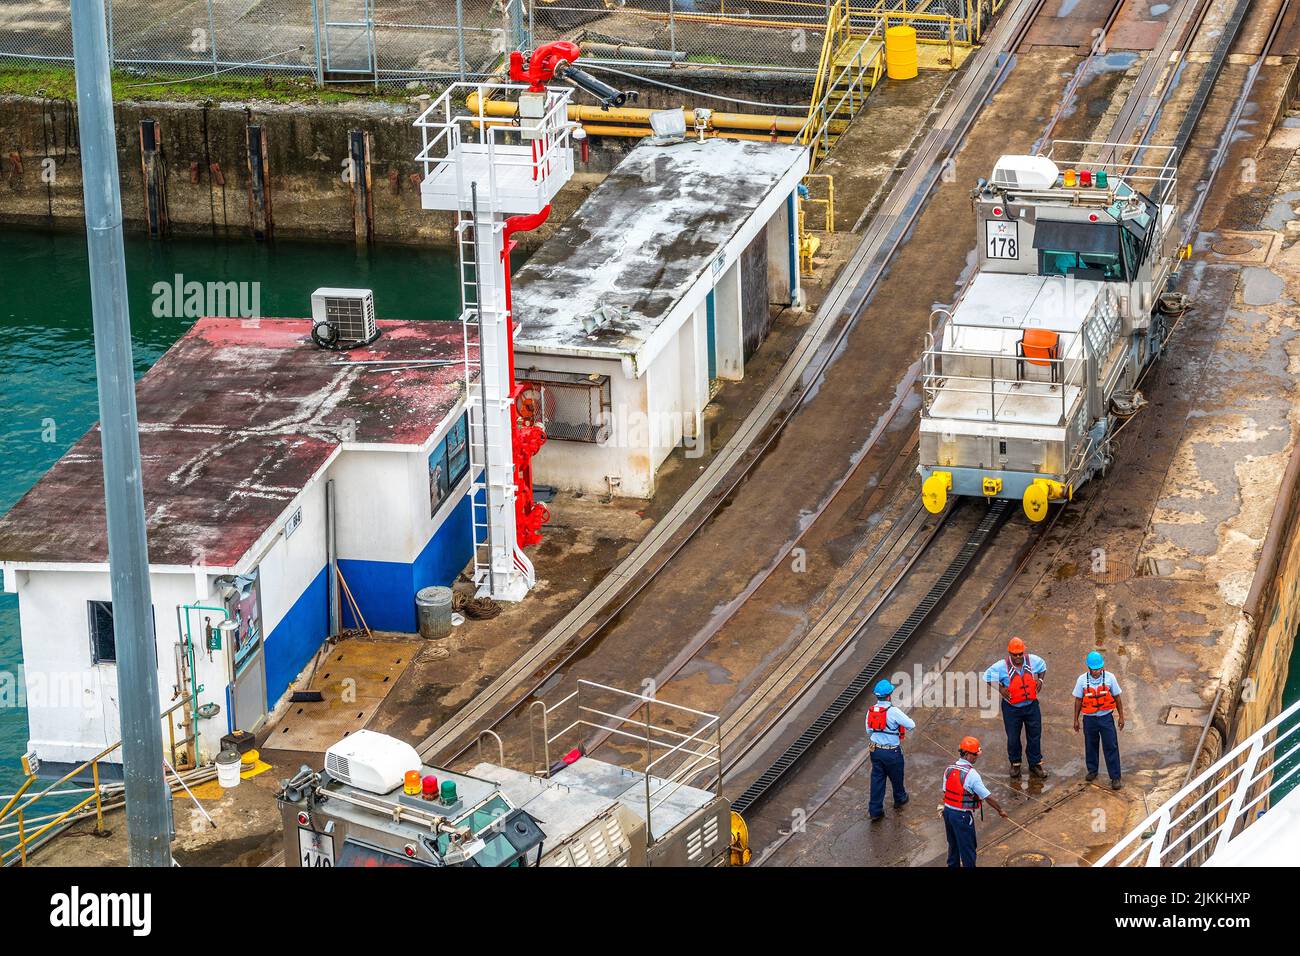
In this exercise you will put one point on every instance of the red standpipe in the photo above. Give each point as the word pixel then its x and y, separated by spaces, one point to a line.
pixel 527 437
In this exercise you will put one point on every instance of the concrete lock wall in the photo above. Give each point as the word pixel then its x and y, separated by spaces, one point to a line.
pixel 203 171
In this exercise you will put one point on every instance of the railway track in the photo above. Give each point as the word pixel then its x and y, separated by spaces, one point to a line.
pixel 833 634
pixel 1129 123
pixel 796 382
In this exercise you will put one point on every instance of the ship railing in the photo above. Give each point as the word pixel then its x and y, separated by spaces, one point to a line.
pixel 1206 815
pixel 1149 169
pixel 30 830
pixel 677 742
pixel 447 125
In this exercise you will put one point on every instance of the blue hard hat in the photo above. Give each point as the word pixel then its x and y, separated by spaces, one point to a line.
pixel 1095 661
pixel 884 689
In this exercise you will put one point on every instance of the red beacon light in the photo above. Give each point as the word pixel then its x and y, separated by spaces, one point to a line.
pixel 430 788
pixel 1085 178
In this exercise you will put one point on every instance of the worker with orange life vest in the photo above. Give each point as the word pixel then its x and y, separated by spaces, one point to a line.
pixel 1097 699
pixel 1018 677
pixel 886 727
pixel 964 793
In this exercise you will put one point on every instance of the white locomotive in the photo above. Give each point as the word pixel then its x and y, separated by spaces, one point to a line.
pixel 1025 379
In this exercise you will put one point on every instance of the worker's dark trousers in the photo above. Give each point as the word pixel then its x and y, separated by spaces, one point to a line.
pixel 1100 728
pixel 886 764
pixel 960 825
pixel 1031 719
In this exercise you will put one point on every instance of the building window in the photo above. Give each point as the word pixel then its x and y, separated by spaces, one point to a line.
pixel 103 643
pixel 448 463
pixel 572 406
pixel 103 634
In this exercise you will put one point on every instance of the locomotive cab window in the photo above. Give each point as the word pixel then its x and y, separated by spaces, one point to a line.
pixel 1089 250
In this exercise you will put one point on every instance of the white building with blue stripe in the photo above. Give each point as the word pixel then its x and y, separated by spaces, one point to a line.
pixel 267 463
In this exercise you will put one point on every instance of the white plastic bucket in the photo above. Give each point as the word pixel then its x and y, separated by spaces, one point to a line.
pixel 228 764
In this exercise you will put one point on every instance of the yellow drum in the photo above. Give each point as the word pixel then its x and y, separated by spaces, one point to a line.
pixel 900 53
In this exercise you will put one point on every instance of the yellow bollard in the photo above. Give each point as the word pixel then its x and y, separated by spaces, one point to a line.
pixel 900 53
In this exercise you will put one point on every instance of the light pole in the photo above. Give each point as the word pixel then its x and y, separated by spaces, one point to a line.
pixel 148 813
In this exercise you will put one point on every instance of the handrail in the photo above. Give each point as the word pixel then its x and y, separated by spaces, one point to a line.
pixel 700 747
pixel 1228 783
pixel 19 810
pixel 849 80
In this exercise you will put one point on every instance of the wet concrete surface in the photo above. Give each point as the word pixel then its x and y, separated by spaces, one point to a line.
pixel 826 438
pixel 1165 634
pixel 1151 566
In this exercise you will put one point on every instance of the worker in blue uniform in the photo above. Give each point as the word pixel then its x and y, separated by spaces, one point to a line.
pixel 1097 700
pixel 964 793
pixel 1018 678
pixel 886 727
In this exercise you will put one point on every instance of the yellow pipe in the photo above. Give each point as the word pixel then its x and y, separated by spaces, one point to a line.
pixel 637 132
pixel 633 114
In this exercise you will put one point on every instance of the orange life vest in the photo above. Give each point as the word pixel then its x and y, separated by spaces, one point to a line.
pixel 955 794
pixel 878 722
pixel 1097 697
pixel 1022 685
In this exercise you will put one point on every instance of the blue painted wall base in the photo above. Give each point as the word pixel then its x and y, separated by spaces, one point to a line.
pixel 384 590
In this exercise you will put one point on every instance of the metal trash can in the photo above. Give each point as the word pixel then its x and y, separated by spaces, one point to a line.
pixel 433 612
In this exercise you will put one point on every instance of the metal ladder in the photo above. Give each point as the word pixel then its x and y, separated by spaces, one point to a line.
pixel 490 445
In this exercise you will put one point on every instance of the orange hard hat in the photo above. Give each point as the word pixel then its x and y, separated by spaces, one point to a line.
pixel 1015 646
pixel 969 745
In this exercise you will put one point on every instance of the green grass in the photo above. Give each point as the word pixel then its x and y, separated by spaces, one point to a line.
pixel 57 82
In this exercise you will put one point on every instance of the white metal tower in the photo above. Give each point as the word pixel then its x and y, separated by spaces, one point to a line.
pixel 485 169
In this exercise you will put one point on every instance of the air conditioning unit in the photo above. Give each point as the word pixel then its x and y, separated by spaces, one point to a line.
pixel 1025 172
pixel 371 761
pixel 343 318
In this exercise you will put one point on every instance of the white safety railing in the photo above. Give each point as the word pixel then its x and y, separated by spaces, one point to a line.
pixel 449 131
pixel 1149 169
pixel 1061 375
pixel 1221 804
pixel 673 755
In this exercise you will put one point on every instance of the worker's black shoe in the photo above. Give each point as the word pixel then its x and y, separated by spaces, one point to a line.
pixel 877 819
pixel 1015 770
pixel 899 804
pixel 1115 783
pixel 1037 770
pixel 1091 776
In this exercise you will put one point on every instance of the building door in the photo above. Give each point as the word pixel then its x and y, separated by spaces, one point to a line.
pixel 247 656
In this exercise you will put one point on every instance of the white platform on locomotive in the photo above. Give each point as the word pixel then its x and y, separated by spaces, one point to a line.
pixel 1003 300
pixel 1025 403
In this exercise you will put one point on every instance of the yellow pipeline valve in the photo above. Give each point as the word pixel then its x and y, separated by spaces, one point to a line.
pixel 1040 492
pixel 934 491
pixel 740 853
pixel 991 487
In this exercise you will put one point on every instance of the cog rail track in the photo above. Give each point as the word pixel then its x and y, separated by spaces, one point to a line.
pixel 874 668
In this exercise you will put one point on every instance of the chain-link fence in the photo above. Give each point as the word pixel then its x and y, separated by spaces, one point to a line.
pixel 395 41
pixel 333 41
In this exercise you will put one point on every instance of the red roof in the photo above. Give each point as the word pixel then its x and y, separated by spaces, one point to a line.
pixel 235 419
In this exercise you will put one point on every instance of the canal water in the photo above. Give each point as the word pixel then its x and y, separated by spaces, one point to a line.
pixel 47 371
